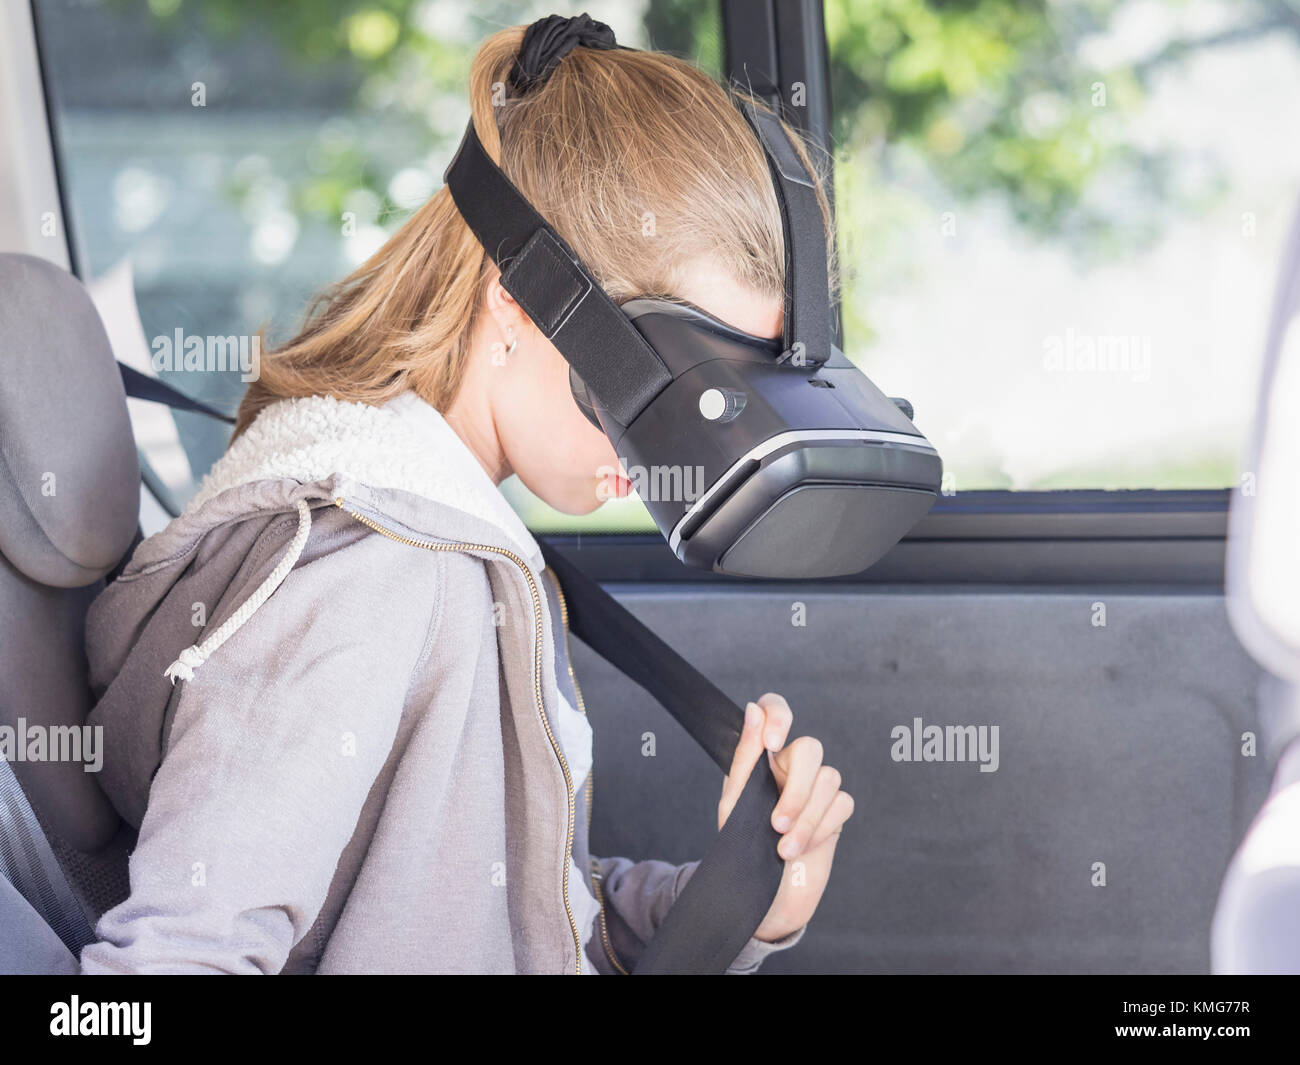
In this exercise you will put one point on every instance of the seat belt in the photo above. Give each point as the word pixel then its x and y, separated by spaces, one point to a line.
pixel 141 386
pixel 732 889
pixel 735 882
pixel 27 861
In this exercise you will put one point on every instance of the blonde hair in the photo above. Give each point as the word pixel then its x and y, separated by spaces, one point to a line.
pixel 639 160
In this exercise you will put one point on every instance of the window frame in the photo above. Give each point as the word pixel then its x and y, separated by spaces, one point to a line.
pixel 1143 538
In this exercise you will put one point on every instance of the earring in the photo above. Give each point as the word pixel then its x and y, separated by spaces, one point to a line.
pixel 514 343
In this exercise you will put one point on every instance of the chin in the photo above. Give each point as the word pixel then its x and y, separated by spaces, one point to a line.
pixel 579 508
pixel 579 502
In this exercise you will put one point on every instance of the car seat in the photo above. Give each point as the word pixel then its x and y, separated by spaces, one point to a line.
pixel 69 505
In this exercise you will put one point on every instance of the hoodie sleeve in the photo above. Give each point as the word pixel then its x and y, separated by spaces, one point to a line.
pixel 636 897
pixel 273 750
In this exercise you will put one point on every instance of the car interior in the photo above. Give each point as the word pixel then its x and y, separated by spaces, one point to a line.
pixel 1099 608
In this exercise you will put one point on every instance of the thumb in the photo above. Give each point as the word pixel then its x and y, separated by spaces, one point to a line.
pixel 748 750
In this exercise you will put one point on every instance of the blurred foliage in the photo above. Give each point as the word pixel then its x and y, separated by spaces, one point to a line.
pixel 962 101
pixel 991 96
pixel 409 59
pixel 995 97
pixel 688 28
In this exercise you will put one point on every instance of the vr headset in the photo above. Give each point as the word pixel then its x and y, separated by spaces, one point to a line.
pixel 765 457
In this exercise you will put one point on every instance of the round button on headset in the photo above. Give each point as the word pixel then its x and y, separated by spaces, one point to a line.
pixel 721 404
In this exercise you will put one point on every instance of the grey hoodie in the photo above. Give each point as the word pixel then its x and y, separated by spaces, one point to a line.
pixel 329 693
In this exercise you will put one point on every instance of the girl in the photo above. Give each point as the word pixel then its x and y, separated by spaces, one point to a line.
pixel 335 691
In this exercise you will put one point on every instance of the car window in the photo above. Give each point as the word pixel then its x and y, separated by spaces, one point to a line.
pixel 1060 225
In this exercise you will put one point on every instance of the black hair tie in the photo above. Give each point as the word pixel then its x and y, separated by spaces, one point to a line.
pixel 550 39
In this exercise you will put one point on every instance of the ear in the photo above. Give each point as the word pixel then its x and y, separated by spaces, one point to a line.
pixel 507 314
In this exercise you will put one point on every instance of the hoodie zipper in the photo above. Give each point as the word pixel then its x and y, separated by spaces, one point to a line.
pixel 596 876
pixel 461 545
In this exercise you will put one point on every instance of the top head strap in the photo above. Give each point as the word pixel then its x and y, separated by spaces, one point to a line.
pixel 807 294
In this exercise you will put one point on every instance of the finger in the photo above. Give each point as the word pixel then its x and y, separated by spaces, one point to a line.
pixel 832 822
pixel 800 761
pixel 779 719
pixel 826 784
pixel 748 750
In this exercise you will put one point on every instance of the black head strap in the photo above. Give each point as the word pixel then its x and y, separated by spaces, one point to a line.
pixel 807 293
pixel 560 295
pixel 553 287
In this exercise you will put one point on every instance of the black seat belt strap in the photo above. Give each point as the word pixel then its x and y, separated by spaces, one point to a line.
pixel 734 885
pixel 141 386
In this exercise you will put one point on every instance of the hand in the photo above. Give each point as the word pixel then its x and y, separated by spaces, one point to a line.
pixel 810 813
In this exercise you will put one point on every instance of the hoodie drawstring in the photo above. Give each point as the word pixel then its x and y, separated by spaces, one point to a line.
pixel 192 657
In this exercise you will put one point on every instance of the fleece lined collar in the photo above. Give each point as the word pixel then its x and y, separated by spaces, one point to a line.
pixel 404 445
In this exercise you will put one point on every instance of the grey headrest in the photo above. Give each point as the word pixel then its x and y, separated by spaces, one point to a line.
pixel 69 476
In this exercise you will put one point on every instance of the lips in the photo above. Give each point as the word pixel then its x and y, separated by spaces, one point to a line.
pixel 611 483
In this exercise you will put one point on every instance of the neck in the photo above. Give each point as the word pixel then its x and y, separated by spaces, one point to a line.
pixel 471 418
